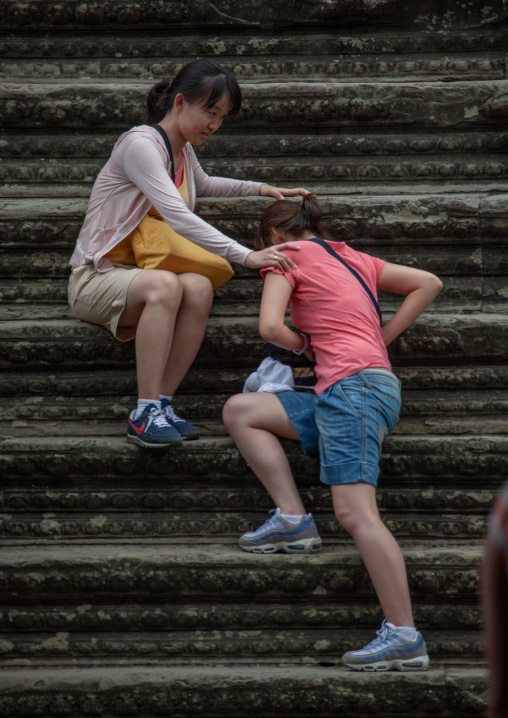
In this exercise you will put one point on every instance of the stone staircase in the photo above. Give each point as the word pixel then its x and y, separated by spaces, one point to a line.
pixel 123 592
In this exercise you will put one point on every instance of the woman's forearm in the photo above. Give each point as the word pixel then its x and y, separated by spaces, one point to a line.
pixel 413 305
pixel 284 337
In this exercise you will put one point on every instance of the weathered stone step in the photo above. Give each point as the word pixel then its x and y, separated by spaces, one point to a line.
pixel 452 67
pixel 405 458
pixel 492 422
pixel 428 411
pixel 271 106
pixel 131 15
pixel 334 615
pixel 312 645
pixel 233 45
pixel 378 221
pixel 168 570
pixel 103 496
pixel 120 382
pixel 193 15
pixel 476 267
pixel 347 188
pixel 230 690
pixel 433 339
pixel 232 144
pixel 295 169
pixel 33 299
pixel 70 527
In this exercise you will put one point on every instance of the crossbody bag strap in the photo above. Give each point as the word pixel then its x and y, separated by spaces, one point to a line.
pixel 168 147
pixel 325 245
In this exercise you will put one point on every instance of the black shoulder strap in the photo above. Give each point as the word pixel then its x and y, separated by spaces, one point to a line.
pixel 326 246
pixel 168 147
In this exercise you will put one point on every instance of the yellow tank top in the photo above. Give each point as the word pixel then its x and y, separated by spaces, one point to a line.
pixel 122 253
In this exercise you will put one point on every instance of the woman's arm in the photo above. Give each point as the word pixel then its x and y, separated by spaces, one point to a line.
pixel 421 288
pixel 210 186
pixel 276 293
pixel 144 167
pixel 267 190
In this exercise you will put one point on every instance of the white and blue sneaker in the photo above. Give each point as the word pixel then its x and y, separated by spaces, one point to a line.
pixel 278 534
pixel 390 650
pixel 151 430
pixel 187 431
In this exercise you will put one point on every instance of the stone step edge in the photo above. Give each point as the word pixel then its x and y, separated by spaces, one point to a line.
pixel 120 381
pixel 212 443
pixel 227 690
pixel 309 644
pixel 475 203
pixel 225 553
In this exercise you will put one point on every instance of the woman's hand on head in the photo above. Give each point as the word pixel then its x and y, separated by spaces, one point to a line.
pixel 266 190
pixel 272 257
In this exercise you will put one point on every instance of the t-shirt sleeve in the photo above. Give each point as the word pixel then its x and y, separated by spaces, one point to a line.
pixel 144 167
pixel 290 276
pixel 378 265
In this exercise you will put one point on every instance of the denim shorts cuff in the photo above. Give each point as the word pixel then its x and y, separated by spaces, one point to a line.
pixel 353 472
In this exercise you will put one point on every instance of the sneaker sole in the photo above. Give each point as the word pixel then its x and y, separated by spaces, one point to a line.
pixel 147 445
pixel 189 437
pixel 421 663
pixel 304 546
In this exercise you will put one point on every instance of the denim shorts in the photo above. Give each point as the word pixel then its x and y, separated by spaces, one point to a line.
pixel 347 424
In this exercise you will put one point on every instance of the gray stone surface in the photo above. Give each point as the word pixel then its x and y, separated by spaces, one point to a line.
pixel 124 562
pixel 252 690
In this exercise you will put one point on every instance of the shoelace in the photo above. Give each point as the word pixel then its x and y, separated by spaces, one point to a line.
pixel 157 418
pixel 173 416
pixel 272 522
pixel 383 633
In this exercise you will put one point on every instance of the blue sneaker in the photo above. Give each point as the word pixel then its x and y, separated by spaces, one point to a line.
pixel 278 534
pixel 390 650
pixel 187 431
pixel 151 430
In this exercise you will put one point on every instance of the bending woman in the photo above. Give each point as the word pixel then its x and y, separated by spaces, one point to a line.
pixel 356 404
pixel 167 313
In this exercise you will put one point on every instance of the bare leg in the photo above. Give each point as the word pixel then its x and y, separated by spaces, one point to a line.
pixel 153 302
pixel 254 421
pixel 356 508
pixel 189 329
pixel 170 313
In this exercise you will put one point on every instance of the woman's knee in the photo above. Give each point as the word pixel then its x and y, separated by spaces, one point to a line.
pixel 234 410
pixel 197 291
pixel 163 288
pixel 353 514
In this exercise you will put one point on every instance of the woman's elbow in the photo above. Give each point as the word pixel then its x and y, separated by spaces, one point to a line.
pixel 269 331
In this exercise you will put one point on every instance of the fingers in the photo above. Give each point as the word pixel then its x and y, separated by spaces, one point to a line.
pixel 279 259
pixel 295 192
pixel 267 190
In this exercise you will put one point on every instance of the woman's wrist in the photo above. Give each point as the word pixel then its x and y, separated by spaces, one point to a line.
pixel 305 344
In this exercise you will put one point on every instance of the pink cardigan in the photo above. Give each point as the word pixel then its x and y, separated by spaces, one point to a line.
pixel 135 177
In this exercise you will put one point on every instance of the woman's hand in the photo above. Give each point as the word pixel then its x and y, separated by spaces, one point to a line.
pixel 266 190
pixel 310 354
pixel 272 257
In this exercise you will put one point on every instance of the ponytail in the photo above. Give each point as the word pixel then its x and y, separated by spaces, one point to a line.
pixel 200 81
pixel 293 217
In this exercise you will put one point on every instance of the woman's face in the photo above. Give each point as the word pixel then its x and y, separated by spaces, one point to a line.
pixel 197 122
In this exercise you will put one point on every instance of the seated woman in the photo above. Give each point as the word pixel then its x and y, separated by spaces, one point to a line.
pixel 332 297
pixel 148 188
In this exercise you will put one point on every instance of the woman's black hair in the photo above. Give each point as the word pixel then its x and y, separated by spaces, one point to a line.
pixel 204 81
pixel 289 216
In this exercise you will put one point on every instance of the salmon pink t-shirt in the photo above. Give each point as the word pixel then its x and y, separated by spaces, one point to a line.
pixel 330 305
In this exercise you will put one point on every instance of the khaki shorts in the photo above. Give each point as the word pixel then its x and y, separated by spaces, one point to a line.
pixel 100 297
